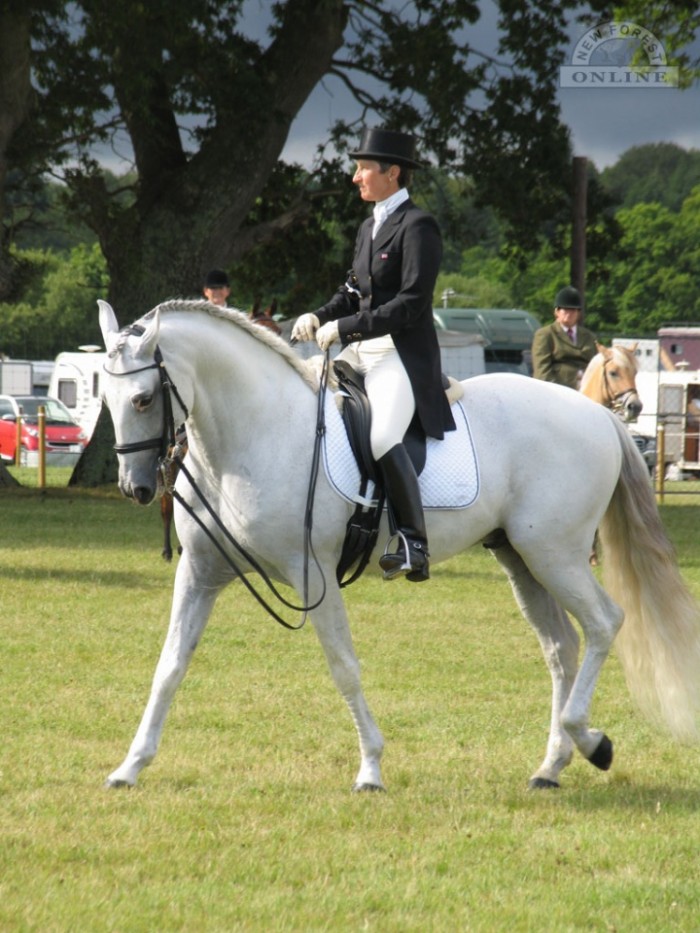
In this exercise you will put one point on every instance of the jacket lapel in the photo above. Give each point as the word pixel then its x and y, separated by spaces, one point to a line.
pixel 388 229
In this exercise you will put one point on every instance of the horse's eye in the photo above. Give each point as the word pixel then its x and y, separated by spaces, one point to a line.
pixel 142 402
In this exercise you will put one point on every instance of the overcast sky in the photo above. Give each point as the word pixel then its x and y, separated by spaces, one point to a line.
pixel 604 121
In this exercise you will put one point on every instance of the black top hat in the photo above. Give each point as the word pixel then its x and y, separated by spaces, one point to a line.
pixel 387 146
pixel 217 278
pixel 568 297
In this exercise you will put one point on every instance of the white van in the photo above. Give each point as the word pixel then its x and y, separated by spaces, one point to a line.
pixel 76 381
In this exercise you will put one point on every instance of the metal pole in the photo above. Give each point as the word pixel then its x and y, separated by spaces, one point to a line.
pixel 660 461
pixel 18 438
pixel 41 424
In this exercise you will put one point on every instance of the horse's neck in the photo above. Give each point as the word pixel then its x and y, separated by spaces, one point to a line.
pixel 238 383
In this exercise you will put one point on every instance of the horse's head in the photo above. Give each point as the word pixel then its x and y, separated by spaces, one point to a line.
pixel 132 391
pixel 610 379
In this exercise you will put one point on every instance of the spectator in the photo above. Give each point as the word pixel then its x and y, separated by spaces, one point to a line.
pixel 217 287
pixel 562 350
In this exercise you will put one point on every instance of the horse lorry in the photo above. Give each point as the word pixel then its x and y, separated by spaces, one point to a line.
pixel 668 383
pixel 76 381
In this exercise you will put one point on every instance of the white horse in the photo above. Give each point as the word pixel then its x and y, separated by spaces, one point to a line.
pixel 553 467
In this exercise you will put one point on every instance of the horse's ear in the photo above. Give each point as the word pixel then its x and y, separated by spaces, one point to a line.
pixel 108 323
pixel 148 341
pixel 599 347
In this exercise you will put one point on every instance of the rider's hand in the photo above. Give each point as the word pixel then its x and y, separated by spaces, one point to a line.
pixel 305 327
pixel 327 335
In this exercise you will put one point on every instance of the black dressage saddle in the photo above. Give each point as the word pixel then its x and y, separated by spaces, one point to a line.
pixel 363 526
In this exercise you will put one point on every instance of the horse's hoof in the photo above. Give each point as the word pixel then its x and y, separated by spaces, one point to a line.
pixel 361 788
pixel 603 755
pixel 540 783
pixel 117 782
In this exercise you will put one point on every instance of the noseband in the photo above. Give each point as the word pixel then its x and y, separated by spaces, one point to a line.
pixel 167 435
pixel 618 402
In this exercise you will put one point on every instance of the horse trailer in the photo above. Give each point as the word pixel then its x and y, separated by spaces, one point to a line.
pixel 76 381
pixel 670 392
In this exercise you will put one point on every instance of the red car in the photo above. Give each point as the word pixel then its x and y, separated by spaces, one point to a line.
pixel 65 439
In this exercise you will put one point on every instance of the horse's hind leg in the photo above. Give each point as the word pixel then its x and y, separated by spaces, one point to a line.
pixel 559 642
pixel 331 624
pixel 578 592
pixel 192 605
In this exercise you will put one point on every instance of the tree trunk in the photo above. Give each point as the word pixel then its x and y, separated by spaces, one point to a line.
pixel 15 101
pixel 6 478
pixel 98 464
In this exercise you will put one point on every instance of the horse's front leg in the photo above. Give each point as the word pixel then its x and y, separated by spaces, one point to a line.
pixel 191 608
pixel 331 623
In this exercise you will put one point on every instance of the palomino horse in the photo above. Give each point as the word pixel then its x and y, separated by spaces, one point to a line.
pixel 610 380
pixel 551 467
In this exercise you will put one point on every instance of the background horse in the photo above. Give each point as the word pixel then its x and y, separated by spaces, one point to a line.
pixel 552 468
pixel 610 380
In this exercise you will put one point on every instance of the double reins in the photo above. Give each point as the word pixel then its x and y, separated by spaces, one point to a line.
pixel 170 451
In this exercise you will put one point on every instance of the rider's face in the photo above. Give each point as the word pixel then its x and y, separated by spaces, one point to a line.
pixel 374 184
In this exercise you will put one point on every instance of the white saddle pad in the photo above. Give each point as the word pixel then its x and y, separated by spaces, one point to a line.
pixel 450 478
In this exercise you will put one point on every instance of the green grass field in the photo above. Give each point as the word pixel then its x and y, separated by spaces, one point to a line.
pixel 245 820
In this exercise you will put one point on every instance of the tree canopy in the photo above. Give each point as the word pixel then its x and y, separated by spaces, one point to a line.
pixel 205 110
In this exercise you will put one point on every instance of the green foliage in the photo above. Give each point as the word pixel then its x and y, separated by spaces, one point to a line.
pixel 661 173
pixel 654 280
pixel 58 307
pixel 476 291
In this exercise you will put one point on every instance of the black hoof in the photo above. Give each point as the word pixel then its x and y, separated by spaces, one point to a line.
pixel 603 755
pixel 362 788
pixel 539 783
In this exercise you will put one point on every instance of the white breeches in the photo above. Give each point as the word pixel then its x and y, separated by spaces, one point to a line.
pixel 388 390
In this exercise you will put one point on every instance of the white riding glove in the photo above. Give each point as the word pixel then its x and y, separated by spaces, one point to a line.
pixel 327 335
pixel 305 327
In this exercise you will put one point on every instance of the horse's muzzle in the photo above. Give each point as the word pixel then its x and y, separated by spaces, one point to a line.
pixel 142 494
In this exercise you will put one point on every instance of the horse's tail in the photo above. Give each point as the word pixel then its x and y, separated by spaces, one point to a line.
pixel 659 642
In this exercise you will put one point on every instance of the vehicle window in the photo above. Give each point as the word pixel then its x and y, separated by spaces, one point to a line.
pixel 68 392
pixel 6 407
pixel 56 412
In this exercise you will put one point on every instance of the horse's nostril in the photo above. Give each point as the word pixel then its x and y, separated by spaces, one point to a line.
pixel 143 494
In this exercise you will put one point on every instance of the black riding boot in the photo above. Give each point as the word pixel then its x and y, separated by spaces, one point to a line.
pixel 406 517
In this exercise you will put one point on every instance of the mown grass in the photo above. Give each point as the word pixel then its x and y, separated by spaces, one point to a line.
pixel 245 820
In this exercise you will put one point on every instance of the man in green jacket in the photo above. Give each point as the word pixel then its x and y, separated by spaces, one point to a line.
pixel 562 350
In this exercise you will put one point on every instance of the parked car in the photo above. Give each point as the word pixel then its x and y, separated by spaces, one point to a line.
pixel 65 439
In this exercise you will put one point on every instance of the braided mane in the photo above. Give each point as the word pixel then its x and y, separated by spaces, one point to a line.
pixel 305 368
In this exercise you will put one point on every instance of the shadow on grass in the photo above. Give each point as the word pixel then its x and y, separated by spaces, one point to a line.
pixel 81 575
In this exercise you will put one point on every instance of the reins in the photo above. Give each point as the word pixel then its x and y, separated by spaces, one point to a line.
pixel 167 442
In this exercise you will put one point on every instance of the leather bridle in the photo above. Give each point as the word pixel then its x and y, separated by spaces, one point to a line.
pixel 166 439
pixel 170 450
pixel 618 401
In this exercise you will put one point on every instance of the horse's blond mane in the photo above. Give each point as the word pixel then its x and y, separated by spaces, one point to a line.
pixel 305 368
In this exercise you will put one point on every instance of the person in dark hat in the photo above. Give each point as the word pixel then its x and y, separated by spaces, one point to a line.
pixel 562 350
pixel 383 317
pixel 216 287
